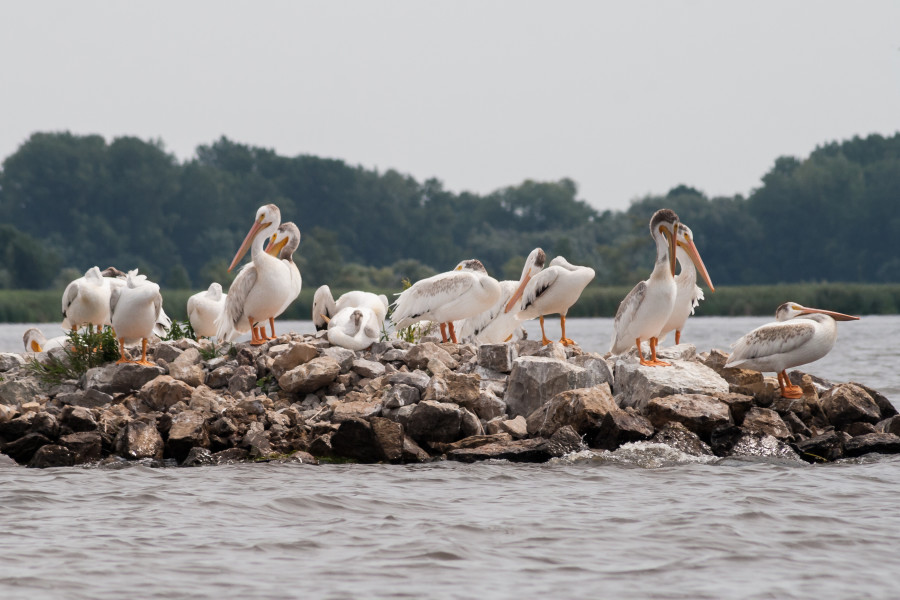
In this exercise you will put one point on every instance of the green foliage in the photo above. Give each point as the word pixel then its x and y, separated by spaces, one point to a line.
pixel 84 350
pixel 180 330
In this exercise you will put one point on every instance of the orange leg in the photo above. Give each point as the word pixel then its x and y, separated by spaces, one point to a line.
pixel 444 332
pixel 452 333
pixel 255 340
pixel 644 361
pixel 122 358
pixel 144 360
pixel 656 362
pixel 788 389
pixel 272 325
pixel 564 340
pixel 544 339
pixel 677 337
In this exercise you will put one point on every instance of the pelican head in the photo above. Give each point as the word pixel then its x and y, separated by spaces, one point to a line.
pixel 791 310
pixel 472 264
pixel 215 290
pixel 684 239
pixel 112 272
pixel 267 217
pixel 285 241
pixel 34 340
pixel 663 225
pixel 533 265
pixel 94 275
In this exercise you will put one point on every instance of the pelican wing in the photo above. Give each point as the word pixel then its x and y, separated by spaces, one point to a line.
pixel 424 296
pixel 697 297
pixel 163 321
pixel 625 314
pixel 770 340
pixel 323 307
pixel 69 296
pixel 114 294
pixel 234 302
pixel 538 285
pixel 192 305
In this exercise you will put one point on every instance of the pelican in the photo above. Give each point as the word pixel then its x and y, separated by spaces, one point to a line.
pixel 204 308
pixel 689 293
pixel 647 306
pixel 354 328
pixel 261 287
pixel 325 307
pixel 446 297
pixel 552 291
pixel 283 245
pixel 86 300
pixel 798 336
pixel 35 341
pixel 496 325
pixel 115 278
pixel 134 309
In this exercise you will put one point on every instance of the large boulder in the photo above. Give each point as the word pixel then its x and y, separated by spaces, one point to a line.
pixel 420 355
pixel 311 376
pixel 23 449
pixel 120 378
pixel 139 439
pixel 766 421
pixel 18 391
pixel 847 403
pixel 432 421
pixel 635 384
pixel 162 392
pixel 882 443
pixel 497 357
pixel 828 446
pixel 188 430
pixel 355 439
pixel 534 380
pixel 621 427
pixel 583 409
pixel 77 419
pixel 86 445
pixel 698 413
pixel 52 455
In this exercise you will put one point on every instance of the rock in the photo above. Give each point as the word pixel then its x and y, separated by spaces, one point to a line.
pixel 882 443
pixel 552 350
pixel 16 392
pixel 45 424
pixel 32 406
pixel 848 402
pixel 87 446
pixel 528 347
pixel 738 405
pixel 761 445
pixel 139 439
pixel 470 423
pixel 421 354
pixel 565 441
pixel 517 428
pixel 884 405
pixel 52 455
pixel 679 437
pixel 859 428
pixel 399 395
pixel 497 357
pixel 412 452
pixel 360 409
pixel 342 356
pixel 198 457
pixel 434 422
pixel 187 431
pixel 583 409
pixel 93 398
pixel 594 364
pixel 766 422
pixel 388 438
pixel 473 441
pixel 167 351
pixel 77 419
pixel 698 413
pixel 399 415
pixel 219 377
pixel 120 378
pixel 243 380
pixel 258 443
pixel 7 413
pixel 488 406
pixel 10 360
pixel 16 428
pixel 23 449
pixel 621 427
pixel 889 425
pixel 530 450
pixel 230 456
pixel 368 368
pixel 461 389
pixel 355 439
pixel 535 380
pixel 742 381
pixel 204 400
pixel 311 376
pixel 635 385
pixel 416 379
pixel 162 392
pixel 188 372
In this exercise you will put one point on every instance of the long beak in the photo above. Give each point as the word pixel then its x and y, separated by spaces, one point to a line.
pixel 35 347
pixel 673 260
pixel 834 315
pixel 275 248
pixel 691 249
pixel 246 244
pixel 518 294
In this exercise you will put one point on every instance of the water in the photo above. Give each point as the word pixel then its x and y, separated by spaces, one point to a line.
pixel 644 522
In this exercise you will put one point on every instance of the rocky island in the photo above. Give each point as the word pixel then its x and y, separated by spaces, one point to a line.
pixel 298 398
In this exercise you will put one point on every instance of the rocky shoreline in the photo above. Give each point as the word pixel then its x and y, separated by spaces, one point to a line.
pixel 300 399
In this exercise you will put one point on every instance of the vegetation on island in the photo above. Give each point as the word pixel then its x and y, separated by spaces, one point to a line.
pixel 68 202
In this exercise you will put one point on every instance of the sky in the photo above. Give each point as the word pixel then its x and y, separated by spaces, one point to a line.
pixel 627 98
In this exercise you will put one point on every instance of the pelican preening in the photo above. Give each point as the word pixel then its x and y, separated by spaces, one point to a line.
pixel 204 308
pixel 689 294
pixel 85 300
pixel 799 335
pixel 325 307
pixel 261 287
pixel 283 245
pixel 459 294
pixel 354 321
pixel 134 309
pixel 646 308
pixel 35 341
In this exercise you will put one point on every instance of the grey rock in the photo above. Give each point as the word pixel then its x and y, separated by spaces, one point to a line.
pixel 416 379
pixel 433 421
pixel 488 406
pixel 677 436
pixel 535 380
pixel 296 355
pixel 828 446
pixel 198 457
pixel 848 402
pixel 368 368
pixel 583 409
pixel 565 441
pixel 191 374
pixel 187 431
pixel 120 378
pixel 86 445
pixel 139 439
pixel 889 425
pixel 470 424
pixel 594 364
pixel 517 428
pixel 10 360
pixel 24 448
pixel 635 385
pixel 167 351
pixel 882 443
pixel 400 395
pixel 162 392
pixel 311 376
pixel 342 356
pixel 77 419
pixel 767 422
pixel 698 413
pixel 360 409
pixel 45 424
pixel 552 350
pixel 419 356
pixel 243 380
pixel 219 377
pixel 399 415
pixel 621 427
pixel 52 455
pixel 395 355
pixel 761 445
pixel 92 398
pixel 530 450
pixel 884 405
pixel 18 391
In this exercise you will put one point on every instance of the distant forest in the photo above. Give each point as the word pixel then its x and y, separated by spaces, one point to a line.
pixel 68 202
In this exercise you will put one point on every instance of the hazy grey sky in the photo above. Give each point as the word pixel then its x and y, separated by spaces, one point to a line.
pixel 626 98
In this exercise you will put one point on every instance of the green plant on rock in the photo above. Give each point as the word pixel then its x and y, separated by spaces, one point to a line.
pixel 179 330
pixel 84 350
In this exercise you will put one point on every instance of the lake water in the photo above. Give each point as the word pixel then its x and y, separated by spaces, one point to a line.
pixel 643 522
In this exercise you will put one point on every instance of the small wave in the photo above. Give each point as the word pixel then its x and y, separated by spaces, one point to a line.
pixel 649 455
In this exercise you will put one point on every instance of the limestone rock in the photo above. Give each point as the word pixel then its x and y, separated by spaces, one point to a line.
pixel 77 419
pixel 120 378
pixel 86 445
pixel 767 422
pixel 416 379
pixel 848 402
pixel 187 431
pixel 621 427
pixel 583 409
pixel 682 439
pixel 368 368
pixel 884 405
pixel 16 428
pixel 761 445
pixel 23 449
pixel 419 356
pixel 219 377
pixel 517 427
pixel 464 390
pixel 243 380
pixel 167 351
pixel 738 404
pixel 355 439
pixel 434 422
pixel 594 364
pixel 412 452
pixel 342 356
pixel 534 380
pixel 552 350
pixel 92 398
pixel 257 442
pixel 488 406
pixel 45 424
pixel 10 360
pixel 741 381
pixel 698 413
pixel 882 443
pixel 530 450
pixel 497 357
pixel 139 439
pixel 18 391
pixel 191 373
pixel 311 376
pixel 360 409
pixel 635 385
pixel 473 441
pixel 7 413
pixel 388 438
pixel 198 457
pixel 470 424
pixel 399 395
pixel 162 392
pixel 52 455
pixel 565 441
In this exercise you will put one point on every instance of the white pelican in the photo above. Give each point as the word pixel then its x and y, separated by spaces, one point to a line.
pixel 283 245
pixel 552 291
pixel 261 287
pixel 35 341
pixel 798 336
pixel 689 293
pixel 325 307
pixel 647 306
pixel 134 309
pixel 204 308
pixel 354 328
pixel 497 325
pixel 446 297
pixel 115 278
pixel 86 300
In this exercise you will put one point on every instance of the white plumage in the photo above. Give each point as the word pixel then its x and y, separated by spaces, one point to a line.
pixel 85 300
pixel 688 294
pixel 325 307
pixel 800 335
pixel 134 310
pixel 354 328
pixel 283 245
pixel 204 308
pixel 35 341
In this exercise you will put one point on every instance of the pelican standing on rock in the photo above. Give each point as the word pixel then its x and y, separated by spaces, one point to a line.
pixel 689 293
pixel 325 307
pixel 552 291
pixel 134 309
pixel 86 300
pixel 283 245
pixel 446 297
pixel 261 287
pixel 115 278
pixel 799 335
pixel 204 308
pixel 646 308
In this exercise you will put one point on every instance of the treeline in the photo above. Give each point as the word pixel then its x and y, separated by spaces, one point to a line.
pixel 68 202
